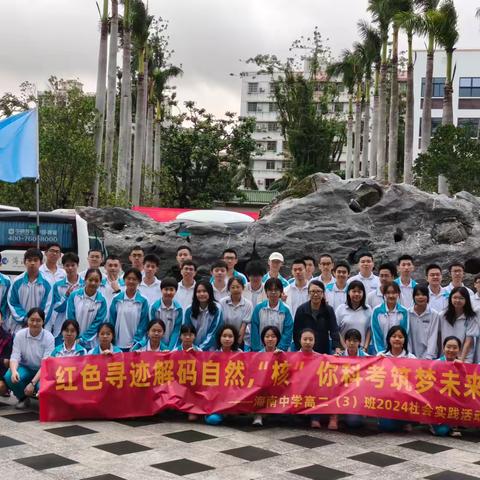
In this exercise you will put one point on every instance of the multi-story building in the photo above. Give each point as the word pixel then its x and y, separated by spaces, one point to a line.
pixel 466 90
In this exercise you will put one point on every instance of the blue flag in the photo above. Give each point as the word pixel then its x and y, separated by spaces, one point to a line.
pixel 19 146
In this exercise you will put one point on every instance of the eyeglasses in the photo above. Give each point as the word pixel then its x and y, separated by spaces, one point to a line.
pixel 315 292
pixel 56 252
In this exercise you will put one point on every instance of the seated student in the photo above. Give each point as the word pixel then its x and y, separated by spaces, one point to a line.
pixel 150 285
pixel 219 280
pixel 205 314
pixel 69 348
pixel 30 346
pixel 386 315
pixel 270 337
pixel 187 339
pixel 106 341
pixel 169 311
pixel 6 344
pixel 88 307
pixel 153 341
pixel 237 310
pixel 272 312
pixel 129 312
pixel 62 290
pixel 396 347
pixel 227 342
pixel 452 347
pixel 29 290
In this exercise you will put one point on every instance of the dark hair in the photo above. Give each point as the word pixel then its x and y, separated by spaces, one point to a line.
pixel 229 250
pixel 391 284
pixel 364 254
pixel 187 328
pixel 191 263
pixel 307 258
pixel 356 284
pixel 467 309
pixel 404 257
pixel 390 267
pixel 343 264
pixel 321 285
pixel 135 271
pixel 299 261
pixel 234 279
pixel 136 247
pixel 96 249
pixel 212 306
pixel 152 258
pixel 218 264
pixel 36 310
pixel 273 284
pixel 391 332
pixel 432 266
pixel 274 329
pixel 53 244
pixel 112 256
pixel 353 334
pixel 169 282
pixel 255 269
pixel 307 330
pixel 73 323
pixel 421 288
pixel 153 322
pixel 32 254
pixel 70 257
pixel 452 337
pixel 90 271
pixel 184 247
pixel 475 278
pixel 456 264
pixel 110 327
pixel 235 336
pixel 325 255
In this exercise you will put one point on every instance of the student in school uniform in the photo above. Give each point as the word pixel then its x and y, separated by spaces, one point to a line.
pixel 94 260
pixel 153 341
pixel 150 285
pixel 219 280
pixel 186 286
pixel 476 297
pixel 254 289
pixel 438 295
pixel 129 312
pixel 326 266
pixel 70 331
pixel 5 285
pixel 170 312
pixel 275 263
pixel 365 272
pixel 188 334
pixel 297 291
pixel 457 273
pixel 136 257
pixel 387 272
pixel 405 280
pixel 106 341
pixel 184 253
pixel 112 283
pixel 230 257
pixel 336 292
pixel 50 269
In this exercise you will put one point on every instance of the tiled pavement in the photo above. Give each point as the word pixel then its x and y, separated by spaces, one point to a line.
pixel 168 447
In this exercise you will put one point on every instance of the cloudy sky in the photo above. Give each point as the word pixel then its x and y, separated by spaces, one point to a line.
pixel 40 38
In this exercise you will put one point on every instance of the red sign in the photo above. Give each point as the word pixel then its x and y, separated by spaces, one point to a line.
pixel 141 384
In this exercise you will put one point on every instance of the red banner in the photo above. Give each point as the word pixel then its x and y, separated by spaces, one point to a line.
pixel 141 384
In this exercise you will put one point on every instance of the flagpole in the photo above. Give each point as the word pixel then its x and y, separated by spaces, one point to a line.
pixel 37 182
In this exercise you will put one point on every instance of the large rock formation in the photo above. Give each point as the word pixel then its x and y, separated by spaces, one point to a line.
pixel 343 218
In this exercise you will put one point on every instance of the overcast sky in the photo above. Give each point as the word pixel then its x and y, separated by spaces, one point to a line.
pixel 40 38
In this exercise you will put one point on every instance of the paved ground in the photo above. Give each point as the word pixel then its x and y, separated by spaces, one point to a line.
pixel 167 447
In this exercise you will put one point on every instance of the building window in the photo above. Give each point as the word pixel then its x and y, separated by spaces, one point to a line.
pixel 284 146
pixel 471 124
pixel 272 88
pixel 270 164
pixel 286 164
pixel 269 182
pixel 469 87
pixel 252 107
pixel 271 146
pixel 272 126
pixel 273 107
pixel 438 87
pixel 436 122
pixel 252 87
pixel 338 107
pixel 261 147
pixel 261 127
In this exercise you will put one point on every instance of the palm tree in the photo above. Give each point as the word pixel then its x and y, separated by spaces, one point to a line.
pixel 373 45
pixel 111 94
pixel 125 129
pixel 141 22
pixel 447 36
pixel 100 96
pixel 345 69
pixel 428 8
pixel 358 59
pixel 411 23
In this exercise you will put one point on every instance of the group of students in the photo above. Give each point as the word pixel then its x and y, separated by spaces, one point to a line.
pixel 54 311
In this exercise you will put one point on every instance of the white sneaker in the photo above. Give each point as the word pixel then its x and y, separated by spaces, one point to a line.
pixel 23 404
pixel 257 421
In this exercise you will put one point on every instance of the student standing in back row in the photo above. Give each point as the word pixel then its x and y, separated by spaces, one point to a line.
pixel 336 293
pixel 150 284
pixel 275 263
pixel 297 292
pixel 50 269
pixel 438 295
pixel 326 266
pixel 405 281
pixel 230 257
pixel 386 274
pixel 365 273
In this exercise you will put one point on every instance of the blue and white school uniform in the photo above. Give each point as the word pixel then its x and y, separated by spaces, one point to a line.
pixel 462 328
pixel 144 346
pixel 184 295
pixel 219 294
pixel 450 287
pixel 129 316
pixel 207 325
pixel 423 335
pixel 172 316
pixel 107 291
pixel 370 283
pixel 406 292
pixel 476 303
pixel 50 276
pixel 335 296
pixel 348 318
pixel 5 284
pixel 282 279
pixel 279 316
pixel 320 279
pixel 383 320
pixel 375 298
pixel 296 296
pixel 59 303
pixel 98 351
pixel 360 353
pixel 89 312
pixel 62 351
pixel 194 348
pixel 438 301
pixel 389 354
pixel 151 292
pixel 236 315
pixel 24 295
pixel 255 296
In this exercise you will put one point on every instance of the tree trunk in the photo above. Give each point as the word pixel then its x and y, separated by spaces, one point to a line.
pixel 149 154
pixel 358 134
pixel 382 125
pixel 366 130
pixel 100 98
pixel 111 95
pixel 125 130
pixel 374 143
pixel 409 116
pixel 157 156
pixel 348 166
pixel 447 118
pixel 393 122
pixel 427 102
